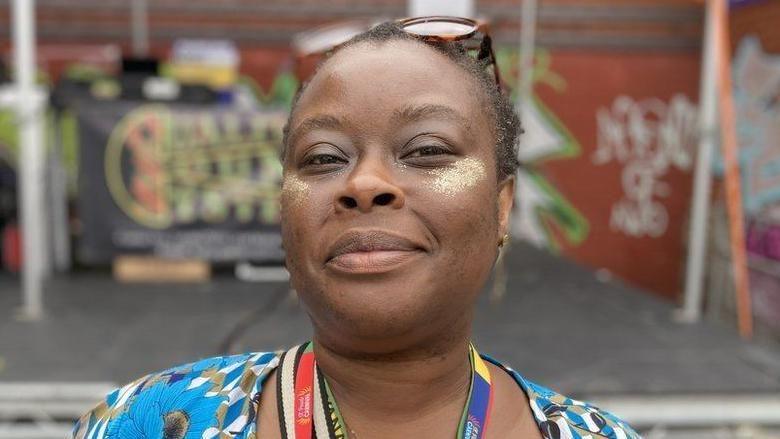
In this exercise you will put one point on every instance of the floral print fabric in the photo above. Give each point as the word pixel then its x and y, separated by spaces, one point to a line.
pixel 217 398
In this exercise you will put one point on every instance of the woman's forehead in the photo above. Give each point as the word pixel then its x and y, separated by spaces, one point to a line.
pixel 387 79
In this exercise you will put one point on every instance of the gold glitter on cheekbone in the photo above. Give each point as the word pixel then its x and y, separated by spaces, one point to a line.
pixel 460 176
pixel 294 190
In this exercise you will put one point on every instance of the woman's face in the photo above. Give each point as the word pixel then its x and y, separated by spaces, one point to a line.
pixel 391 208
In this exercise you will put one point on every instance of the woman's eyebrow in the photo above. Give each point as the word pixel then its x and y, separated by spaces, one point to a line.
pixel 317 122
pixel 414 113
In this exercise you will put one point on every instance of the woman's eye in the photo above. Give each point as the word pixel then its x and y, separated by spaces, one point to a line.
pixel 426 151
pixel 324 159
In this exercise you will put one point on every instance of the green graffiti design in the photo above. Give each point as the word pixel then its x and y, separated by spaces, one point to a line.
pixel 552 211
pixel 282 91
pixel 560 214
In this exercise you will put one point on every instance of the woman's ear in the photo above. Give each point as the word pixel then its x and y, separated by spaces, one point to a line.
pixel 506 198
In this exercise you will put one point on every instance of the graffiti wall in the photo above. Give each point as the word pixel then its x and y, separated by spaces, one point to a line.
pixel 763 248
pixel 757 101
pixel 609 150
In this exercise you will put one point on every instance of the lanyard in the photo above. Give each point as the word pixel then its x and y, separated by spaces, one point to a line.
pixel 308 410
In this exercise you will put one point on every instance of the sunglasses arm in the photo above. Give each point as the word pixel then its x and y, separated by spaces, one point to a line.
pixel 486 51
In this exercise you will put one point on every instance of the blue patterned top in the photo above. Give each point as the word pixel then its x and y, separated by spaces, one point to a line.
pixel 217 398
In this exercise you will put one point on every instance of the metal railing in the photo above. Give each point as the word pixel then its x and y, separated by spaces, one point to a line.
pixel 43 410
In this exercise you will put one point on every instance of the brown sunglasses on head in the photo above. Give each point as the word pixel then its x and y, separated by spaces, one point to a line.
pixel 433 29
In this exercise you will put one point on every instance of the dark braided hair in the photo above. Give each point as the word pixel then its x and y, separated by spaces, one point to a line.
pixel 506 127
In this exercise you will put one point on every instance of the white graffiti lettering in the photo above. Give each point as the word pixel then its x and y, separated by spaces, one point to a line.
pixel 648 138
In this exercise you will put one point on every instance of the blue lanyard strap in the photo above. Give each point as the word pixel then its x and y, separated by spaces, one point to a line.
pixel 473 422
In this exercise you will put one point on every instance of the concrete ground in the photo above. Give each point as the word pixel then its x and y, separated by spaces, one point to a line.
pixel 557 324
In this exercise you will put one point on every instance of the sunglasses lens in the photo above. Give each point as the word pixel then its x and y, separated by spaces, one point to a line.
pixel 439 28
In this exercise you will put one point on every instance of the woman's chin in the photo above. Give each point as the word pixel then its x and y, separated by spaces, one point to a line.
pixel 376 335
pixel 374 316
pixel 383 308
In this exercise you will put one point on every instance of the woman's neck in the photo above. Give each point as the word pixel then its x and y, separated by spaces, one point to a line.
pixel 416 386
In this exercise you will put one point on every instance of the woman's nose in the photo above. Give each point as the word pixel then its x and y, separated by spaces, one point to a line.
pixel 369 186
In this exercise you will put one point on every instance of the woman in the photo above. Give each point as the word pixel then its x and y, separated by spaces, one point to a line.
pixel 398 162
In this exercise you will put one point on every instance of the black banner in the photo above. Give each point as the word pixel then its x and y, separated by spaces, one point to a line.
pixel 179 182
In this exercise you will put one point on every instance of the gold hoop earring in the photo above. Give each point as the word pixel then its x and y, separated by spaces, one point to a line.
pixel 504 241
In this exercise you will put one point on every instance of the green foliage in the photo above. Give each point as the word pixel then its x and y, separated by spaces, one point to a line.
pixel 508 59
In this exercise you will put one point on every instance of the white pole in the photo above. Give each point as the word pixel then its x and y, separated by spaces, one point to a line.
pixel 527 47
pixel 525 86
pixel 58 200
pixel 140 27
pixel 708 115
pixel 28 109
pixel 524 103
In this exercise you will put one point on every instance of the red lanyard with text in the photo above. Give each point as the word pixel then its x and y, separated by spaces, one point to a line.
pixel 307 408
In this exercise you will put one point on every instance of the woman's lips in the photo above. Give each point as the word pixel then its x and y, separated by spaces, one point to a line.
pixel 378 261
pixel 371 251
